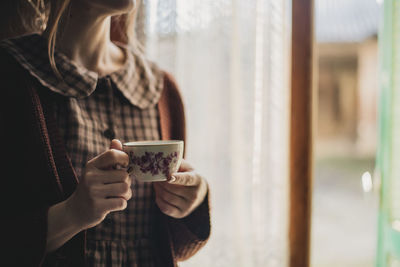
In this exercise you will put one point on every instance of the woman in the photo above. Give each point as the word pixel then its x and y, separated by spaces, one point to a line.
pixel 70 95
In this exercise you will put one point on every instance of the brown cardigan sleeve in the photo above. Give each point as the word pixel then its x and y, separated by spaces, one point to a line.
pixel 30 179
pixel 191 233
pixel 27 184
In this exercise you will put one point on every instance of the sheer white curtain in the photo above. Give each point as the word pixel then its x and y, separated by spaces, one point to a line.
pixel 231 60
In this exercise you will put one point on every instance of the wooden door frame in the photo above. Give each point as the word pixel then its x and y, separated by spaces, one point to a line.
pixel 301 133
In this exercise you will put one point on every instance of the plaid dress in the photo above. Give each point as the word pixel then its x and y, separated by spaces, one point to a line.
pixel 95 110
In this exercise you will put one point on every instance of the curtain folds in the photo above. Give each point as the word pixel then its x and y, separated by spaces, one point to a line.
pixel 231 59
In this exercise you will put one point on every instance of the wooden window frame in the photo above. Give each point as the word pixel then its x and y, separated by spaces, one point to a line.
pixel 301 133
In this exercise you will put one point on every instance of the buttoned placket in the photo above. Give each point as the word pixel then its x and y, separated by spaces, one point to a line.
pixel 110 132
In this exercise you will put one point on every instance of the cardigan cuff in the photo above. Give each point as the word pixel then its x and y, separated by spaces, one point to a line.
pixel 198 222
pixel 191 233
pixel 196 225
pixel 25 235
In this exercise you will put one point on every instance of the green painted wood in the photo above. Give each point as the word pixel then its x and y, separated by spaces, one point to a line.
pixel 388 158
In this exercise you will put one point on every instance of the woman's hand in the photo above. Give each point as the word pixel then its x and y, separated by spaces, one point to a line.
pixel 182 194
pixel 102 188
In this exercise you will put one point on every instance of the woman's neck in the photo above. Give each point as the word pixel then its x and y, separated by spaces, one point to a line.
pixel 85 39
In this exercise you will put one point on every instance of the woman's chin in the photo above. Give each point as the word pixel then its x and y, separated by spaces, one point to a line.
pixel 113 6
pixel 123 5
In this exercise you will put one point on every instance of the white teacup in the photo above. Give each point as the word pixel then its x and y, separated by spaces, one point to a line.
pixel 152 161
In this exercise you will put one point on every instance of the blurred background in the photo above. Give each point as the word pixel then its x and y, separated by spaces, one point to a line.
pixel 344 218
pixel 231 59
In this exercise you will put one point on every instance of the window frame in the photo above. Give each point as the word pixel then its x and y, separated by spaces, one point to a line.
pixel 301 132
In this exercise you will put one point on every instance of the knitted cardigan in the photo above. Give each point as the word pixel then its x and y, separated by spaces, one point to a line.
pixel 36 173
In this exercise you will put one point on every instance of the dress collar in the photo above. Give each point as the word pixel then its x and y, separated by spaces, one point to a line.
pixel 139 80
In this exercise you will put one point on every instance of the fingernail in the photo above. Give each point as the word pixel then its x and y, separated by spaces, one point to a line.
pixel 173 179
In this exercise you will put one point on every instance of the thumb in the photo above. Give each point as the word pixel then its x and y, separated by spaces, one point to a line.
pixel 116 144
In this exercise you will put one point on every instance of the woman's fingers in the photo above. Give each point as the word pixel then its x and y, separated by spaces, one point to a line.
pixel 96 176
pixel 186 192
pixel 168 208
pixel 114 176
pixel 102 188
pixel 109 159
pixel 116 144
pixel 182 194
pixel 122 190
pixel 114 204
pixel 185 167
pixel 185 179
pixel 171 198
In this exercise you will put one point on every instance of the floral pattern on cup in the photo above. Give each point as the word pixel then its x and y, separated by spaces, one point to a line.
pixel 154 163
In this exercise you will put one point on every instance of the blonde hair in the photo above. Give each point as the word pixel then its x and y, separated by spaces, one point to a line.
pixel 122 27
pixel 17 18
